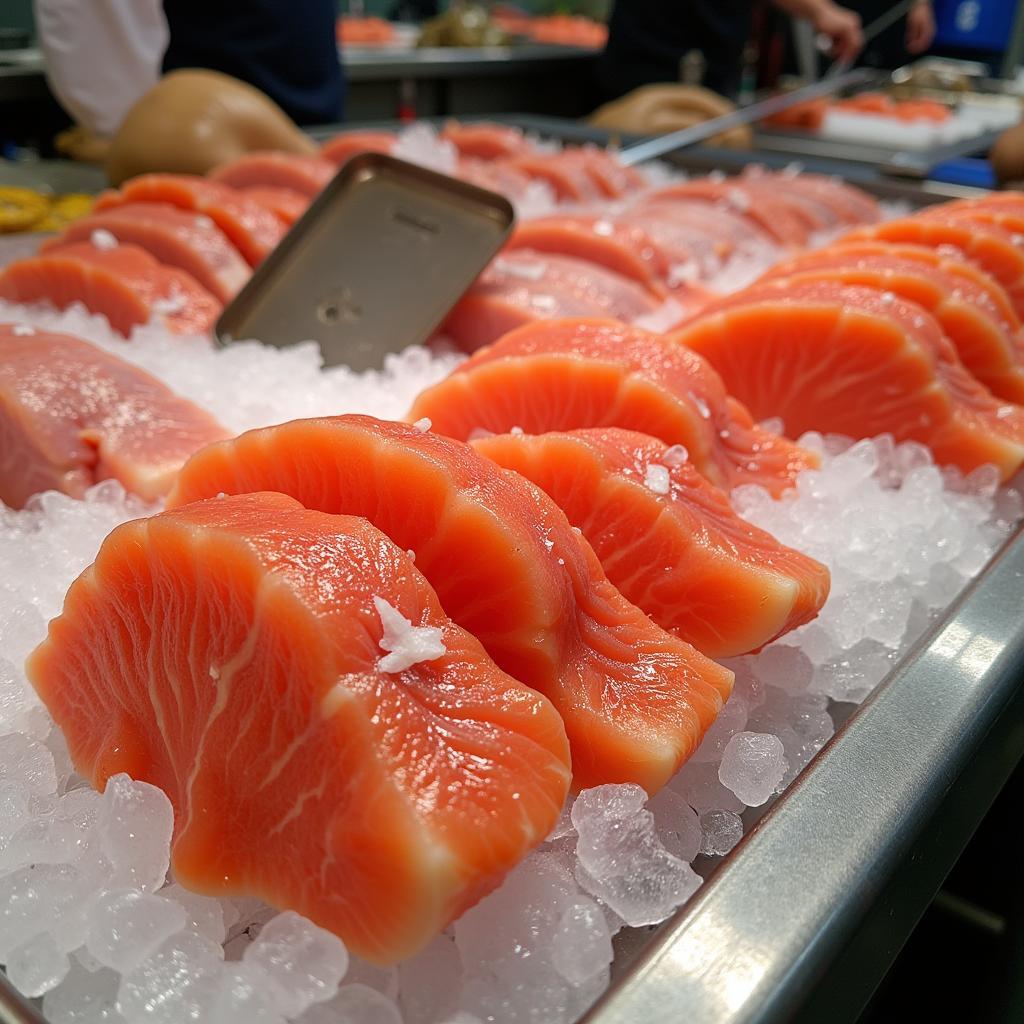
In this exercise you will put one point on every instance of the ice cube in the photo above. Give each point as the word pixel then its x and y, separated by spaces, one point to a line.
pixel 752 766
pixel 731 719
pixel 621 860
pixel 39 898
pixel 28 762
pixel 135 824
pixel 241 997
pixel 303 963
pixel 722 830
pixel 785 667
pixel 699 785
pixel 178 982
pixel 677 823
pixel 675 455
pixel 354 1004
pixel 84 997
pixel 126 926
pixel 203 914
pixel 583 944
pixel 37 966
pixel 429 982
pixel 517 920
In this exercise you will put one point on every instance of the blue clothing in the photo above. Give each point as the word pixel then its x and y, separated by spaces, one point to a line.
pixel 287 50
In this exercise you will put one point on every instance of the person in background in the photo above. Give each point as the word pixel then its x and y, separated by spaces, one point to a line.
pixel 102 56
pixel 909 37
pixel 648 38
pixel 285 48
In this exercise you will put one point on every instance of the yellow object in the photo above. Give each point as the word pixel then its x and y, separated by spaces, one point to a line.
pixel 22 209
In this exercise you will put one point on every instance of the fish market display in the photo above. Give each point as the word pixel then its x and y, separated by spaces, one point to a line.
pixel 72 415
pixel 635 700
pixel 396 790
pixel 358 663
pixel 668 539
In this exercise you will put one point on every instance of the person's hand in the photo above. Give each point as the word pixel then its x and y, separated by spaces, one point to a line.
pixel 920 27
pixel 842 27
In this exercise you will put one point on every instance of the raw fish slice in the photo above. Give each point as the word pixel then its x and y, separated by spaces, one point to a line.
pixel 773 214
pixel 285 203
pixel 1007 217
pixel 850 205
pixel 497 176
pixel 626 249
pixel 342 148
pixel 252 229
pixel 612 178
pixel 987 343
pixel 569 179
pixel 812 211
pixel 987 245
pixel 524 286
pixel 304 174
pixel 569 374
pixel 698 238
pixel 484 141
pixel 856 361
pixel 190 242
pixel 731 230
pixel 508 568
pixel 125 284
pixel 671 543
pixel 72 415
pixel 230 653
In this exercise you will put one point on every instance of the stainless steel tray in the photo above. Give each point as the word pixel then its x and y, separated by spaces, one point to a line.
pixel 333 277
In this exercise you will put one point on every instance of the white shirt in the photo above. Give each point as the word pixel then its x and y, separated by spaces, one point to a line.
pixel 101 55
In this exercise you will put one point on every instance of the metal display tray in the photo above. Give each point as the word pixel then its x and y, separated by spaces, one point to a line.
pixel 804 917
